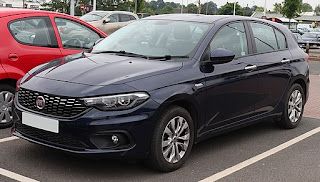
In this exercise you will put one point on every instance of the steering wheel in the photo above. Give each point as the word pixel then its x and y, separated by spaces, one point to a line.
pixel 74 42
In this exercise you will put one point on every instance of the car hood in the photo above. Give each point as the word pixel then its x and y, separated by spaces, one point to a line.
pixel 102 69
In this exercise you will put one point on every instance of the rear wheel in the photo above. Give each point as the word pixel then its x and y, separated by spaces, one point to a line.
pixel 6 100
pixel 294 107
pixel 172 140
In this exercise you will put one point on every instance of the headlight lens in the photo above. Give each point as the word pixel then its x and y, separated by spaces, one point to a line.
pixel 117 102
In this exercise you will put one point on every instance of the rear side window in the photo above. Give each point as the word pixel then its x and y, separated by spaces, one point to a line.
pixel 33 31
pixel 264 37
pixel 233 38
pixel 281 40
pixel 124 18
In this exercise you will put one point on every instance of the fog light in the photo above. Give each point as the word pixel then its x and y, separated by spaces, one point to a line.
pixel 115 139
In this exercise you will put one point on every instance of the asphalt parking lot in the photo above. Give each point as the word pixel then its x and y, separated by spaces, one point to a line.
pixel 260 152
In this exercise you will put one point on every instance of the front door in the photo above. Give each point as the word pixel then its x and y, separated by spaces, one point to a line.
pixel 231 87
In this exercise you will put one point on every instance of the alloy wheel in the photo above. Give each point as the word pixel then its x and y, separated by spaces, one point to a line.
pixel 175 139
pixel 6 99
pixel 295 106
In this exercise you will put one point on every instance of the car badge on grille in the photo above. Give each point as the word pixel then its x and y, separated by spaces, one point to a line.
pixel 40 102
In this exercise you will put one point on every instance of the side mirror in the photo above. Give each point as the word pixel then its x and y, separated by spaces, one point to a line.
pixel 106 20
pixel 97 41
pixel 219 56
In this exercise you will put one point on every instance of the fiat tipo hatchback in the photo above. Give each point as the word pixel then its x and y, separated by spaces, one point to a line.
pixel 161 84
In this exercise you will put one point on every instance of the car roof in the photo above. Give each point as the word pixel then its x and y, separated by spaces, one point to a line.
pixel 15 11
pixel 204 18
pixel 113 12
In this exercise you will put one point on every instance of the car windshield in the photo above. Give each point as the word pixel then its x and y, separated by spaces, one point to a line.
pixel 93 16
pixel 155 38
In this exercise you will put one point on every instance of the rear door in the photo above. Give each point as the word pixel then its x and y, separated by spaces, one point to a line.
pixel 273 56
pixel 30 41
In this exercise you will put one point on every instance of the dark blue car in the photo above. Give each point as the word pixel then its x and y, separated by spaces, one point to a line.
pixel 161 84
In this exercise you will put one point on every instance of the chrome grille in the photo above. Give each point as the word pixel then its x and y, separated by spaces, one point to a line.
pixel 61 107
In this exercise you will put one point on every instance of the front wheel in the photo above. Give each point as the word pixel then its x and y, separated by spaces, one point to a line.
pixel 172 140
pixel 294 107
pixel 6 100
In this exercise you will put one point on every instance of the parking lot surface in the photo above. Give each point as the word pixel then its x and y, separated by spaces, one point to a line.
pixel 298 162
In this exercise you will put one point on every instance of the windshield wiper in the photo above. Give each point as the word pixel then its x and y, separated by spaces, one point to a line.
pixel 160 58
pixel 122 53
pixel 165 58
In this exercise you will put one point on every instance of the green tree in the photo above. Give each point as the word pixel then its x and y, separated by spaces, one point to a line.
pixel 227 9
pixel 148 10
pixel 317 10
pixel 306 7
pixel 277 7
pixel 247 11
pixel 291 9
pixel 167 10
pixel 260 9
pixel 192 8
pixel 209 8
pixel 62 6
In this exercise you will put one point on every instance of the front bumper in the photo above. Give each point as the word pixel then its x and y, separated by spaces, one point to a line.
pixel 91 133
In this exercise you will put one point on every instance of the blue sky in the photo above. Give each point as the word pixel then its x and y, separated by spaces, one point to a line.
pixel 250 3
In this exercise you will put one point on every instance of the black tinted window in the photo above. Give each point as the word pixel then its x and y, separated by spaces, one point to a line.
pixel 231 37
pixel 281 40
pixel 132 17
pixel 124 18
pixel 264 37
pixel 31 31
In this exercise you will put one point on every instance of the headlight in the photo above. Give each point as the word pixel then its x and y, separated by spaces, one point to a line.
pixel 117 102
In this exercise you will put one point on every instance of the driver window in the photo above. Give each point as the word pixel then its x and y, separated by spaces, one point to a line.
pixel 114 18
pixel 74 35
pixel 233 38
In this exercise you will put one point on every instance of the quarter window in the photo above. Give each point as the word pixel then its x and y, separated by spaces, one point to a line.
pixel 233 38
pixel 281 40
pixel 264 37
pixel 74 35
pixel 132 17
pixel 32 31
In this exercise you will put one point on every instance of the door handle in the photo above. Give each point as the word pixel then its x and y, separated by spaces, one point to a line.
pixel 284 61
pixel 13 57
pixel 250 68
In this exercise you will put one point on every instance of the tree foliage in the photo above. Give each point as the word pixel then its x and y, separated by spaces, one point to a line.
pixel 306 7
pixel 317 10
pixel 227 9
pixel 291 9
pixel 277 7
pixel 209 8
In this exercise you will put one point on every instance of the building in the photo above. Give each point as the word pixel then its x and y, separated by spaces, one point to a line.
pixel 304 18
pixel 30 4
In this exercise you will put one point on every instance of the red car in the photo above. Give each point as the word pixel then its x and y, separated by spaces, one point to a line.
pixel 29 38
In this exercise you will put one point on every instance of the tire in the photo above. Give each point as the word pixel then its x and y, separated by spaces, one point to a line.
pixel 291 116
pixel 162 143
pixel 6 99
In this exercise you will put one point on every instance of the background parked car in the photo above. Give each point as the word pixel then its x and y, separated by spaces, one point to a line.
pixel 30 38
pixel 109 21
pixel 298 37
pixel 313 38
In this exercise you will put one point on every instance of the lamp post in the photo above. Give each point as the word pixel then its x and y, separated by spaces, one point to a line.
pixel 234 8
pixel 135 7
pixel 72 7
